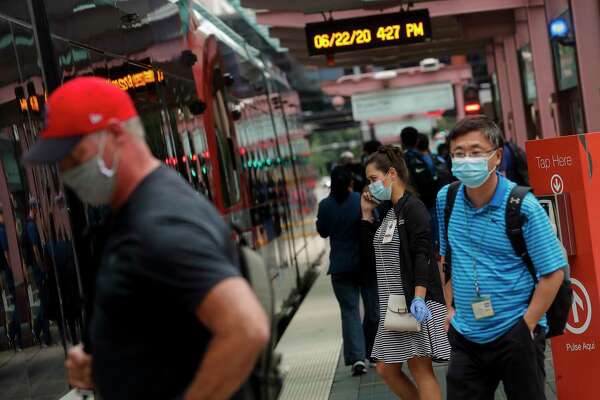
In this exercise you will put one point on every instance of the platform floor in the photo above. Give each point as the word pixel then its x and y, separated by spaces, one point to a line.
pixel 311 350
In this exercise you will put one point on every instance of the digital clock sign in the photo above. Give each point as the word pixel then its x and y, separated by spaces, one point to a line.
pixel 370 32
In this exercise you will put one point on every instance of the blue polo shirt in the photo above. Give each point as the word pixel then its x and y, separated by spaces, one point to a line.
pixel 479 235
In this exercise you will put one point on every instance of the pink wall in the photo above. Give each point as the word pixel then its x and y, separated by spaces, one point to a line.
pixel 504 90
pixel 544 69
pixel 586 19
pixel 555 7
pixel 516 91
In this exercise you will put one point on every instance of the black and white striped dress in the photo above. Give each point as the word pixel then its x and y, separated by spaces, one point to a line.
pixel 398 347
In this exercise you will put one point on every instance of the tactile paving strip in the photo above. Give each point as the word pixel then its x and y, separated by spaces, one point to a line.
pixel 311 345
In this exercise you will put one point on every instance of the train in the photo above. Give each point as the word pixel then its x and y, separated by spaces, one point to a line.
pixel 215 109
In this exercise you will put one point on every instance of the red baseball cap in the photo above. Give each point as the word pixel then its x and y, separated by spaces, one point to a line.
pixel 80 107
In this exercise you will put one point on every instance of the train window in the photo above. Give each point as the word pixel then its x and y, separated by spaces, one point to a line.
pixel 226 148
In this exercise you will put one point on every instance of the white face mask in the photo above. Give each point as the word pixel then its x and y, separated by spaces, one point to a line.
pixel 93 181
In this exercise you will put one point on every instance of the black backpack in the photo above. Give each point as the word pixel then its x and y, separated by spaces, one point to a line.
pixel 558 313
pixel 442 171
pixel 518 173
pixel 422 179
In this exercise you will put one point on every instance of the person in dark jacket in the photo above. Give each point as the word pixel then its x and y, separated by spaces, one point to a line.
pixel 338 219
pixel 401 242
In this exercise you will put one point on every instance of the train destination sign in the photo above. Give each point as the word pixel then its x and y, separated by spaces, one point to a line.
pixel 370 32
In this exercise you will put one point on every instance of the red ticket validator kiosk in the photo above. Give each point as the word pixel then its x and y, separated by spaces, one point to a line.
pixel 565 175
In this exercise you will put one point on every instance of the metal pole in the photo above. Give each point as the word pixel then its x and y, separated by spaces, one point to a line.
pixel 43 42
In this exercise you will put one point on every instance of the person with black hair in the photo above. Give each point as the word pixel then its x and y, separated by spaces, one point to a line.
pixel 422 176
pixel 443 153
pixel 371 147
pixel 338 219
pixel 501 275
pixel 423 147
pixel 412 306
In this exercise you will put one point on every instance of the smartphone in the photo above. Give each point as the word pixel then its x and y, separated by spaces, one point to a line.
pixel 375 199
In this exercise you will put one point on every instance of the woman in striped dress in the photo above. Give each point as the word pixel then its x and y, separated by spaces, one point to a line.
pixel 400 243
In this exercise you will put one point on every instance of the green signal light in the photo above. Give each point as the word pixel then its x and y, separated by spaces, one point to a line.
pixel 269 162
pixel 194 173
pixel 204 170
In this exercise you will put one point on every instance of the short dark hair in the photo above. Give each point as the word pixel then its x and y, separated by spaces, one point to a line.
pixel 479 123
pixel 409 137
pixel 443 147
pixel 341 178
pixel 371 146
pixel 423 143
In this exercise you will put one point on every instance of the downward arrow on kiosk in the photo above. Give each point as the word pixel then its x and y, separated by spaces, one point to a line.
pixel 577 302
pixel 557 185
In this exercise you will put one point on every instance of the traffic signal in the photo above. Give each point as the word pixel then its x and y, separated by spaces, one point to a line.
pixel 471 100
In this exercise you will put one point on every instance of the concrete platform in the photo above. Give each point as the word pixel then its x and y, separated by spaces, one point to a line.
pixel 311 350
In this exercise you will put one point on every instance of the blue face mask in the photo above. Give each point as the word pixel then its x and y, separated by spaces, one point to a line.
pixel 472 171
pixel 379 191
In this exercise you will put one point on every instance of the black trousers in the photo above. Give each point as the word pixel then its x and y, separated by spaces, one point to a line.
pixel 516 359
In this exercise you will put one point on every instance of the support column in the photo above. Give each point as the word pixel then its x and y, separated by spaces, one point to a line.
pixel 504 90
pixel 586 18
pixel 516 91
pixel 459 98
pixel 543 70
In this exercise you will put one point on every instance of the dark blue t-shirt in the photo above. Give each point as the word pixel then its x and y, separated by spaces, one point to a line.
pixel 168 247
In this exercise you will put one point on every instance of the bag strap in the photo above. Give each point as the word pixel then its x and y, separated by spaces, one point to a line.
pixel 514 227
pixel 450 200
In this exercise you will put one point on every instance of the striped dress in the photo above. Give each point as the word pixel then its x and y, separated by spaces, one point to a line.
pixel 398 347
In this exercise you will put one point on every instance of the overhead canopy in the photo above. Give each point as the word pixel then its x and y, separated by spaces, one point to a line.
pixel 458 26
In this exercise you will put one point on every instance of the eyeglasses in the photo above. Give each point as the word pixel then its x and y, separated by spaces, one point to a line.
pixel 474 153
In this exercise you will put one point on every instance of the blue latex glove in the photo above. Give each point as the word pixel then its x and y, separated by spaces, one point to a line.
pixel 419 310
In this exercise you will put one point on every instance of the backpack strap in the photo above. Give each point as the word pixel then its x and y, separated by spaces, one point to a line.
pixel 514 226
pixel 450 199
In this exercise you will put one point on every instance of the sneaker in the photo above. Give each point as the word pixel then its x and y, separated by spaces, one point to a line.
pixel 359 368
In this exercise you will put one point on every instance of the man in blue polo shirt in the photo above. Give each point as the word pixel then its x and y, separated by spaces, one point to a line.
pixel 497 328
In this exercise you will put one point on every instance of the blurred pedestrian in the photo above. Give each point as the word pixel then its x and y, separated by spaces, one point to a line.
pixel 497 319
pixel 369 271
pixel 13 320
pixel 338 219
pixel 369 148
pixel 422 176
pixel 33 256
pixel 408 279
pixel 170 303
pixel 348 160
pixel 443 153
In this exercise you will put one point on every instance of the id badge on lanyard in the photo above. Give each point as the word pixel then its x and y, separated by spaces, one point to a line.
pixel 482 307
pixel 389 231
pixel 481 304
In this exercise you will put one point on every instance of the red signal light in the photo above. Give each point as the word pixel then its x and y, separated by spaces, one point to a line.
pixel 206 154
pixel 472 108
pixel 194 157
pixel 242 151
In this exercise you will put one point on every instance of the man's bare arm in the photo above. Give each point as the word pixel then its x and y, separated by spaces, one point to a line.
pixel 240 330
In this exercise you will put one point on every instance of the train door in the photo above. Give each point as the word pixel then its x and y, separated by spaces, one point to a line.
pixel 230 197
pixel 39 276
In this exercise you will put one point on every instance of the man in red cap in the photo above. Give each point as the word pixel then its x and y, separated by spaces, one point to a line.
pixel 172 316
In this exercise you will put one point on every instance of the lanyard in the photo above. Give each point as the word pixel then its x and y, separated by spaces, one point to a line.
pixel 473 259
